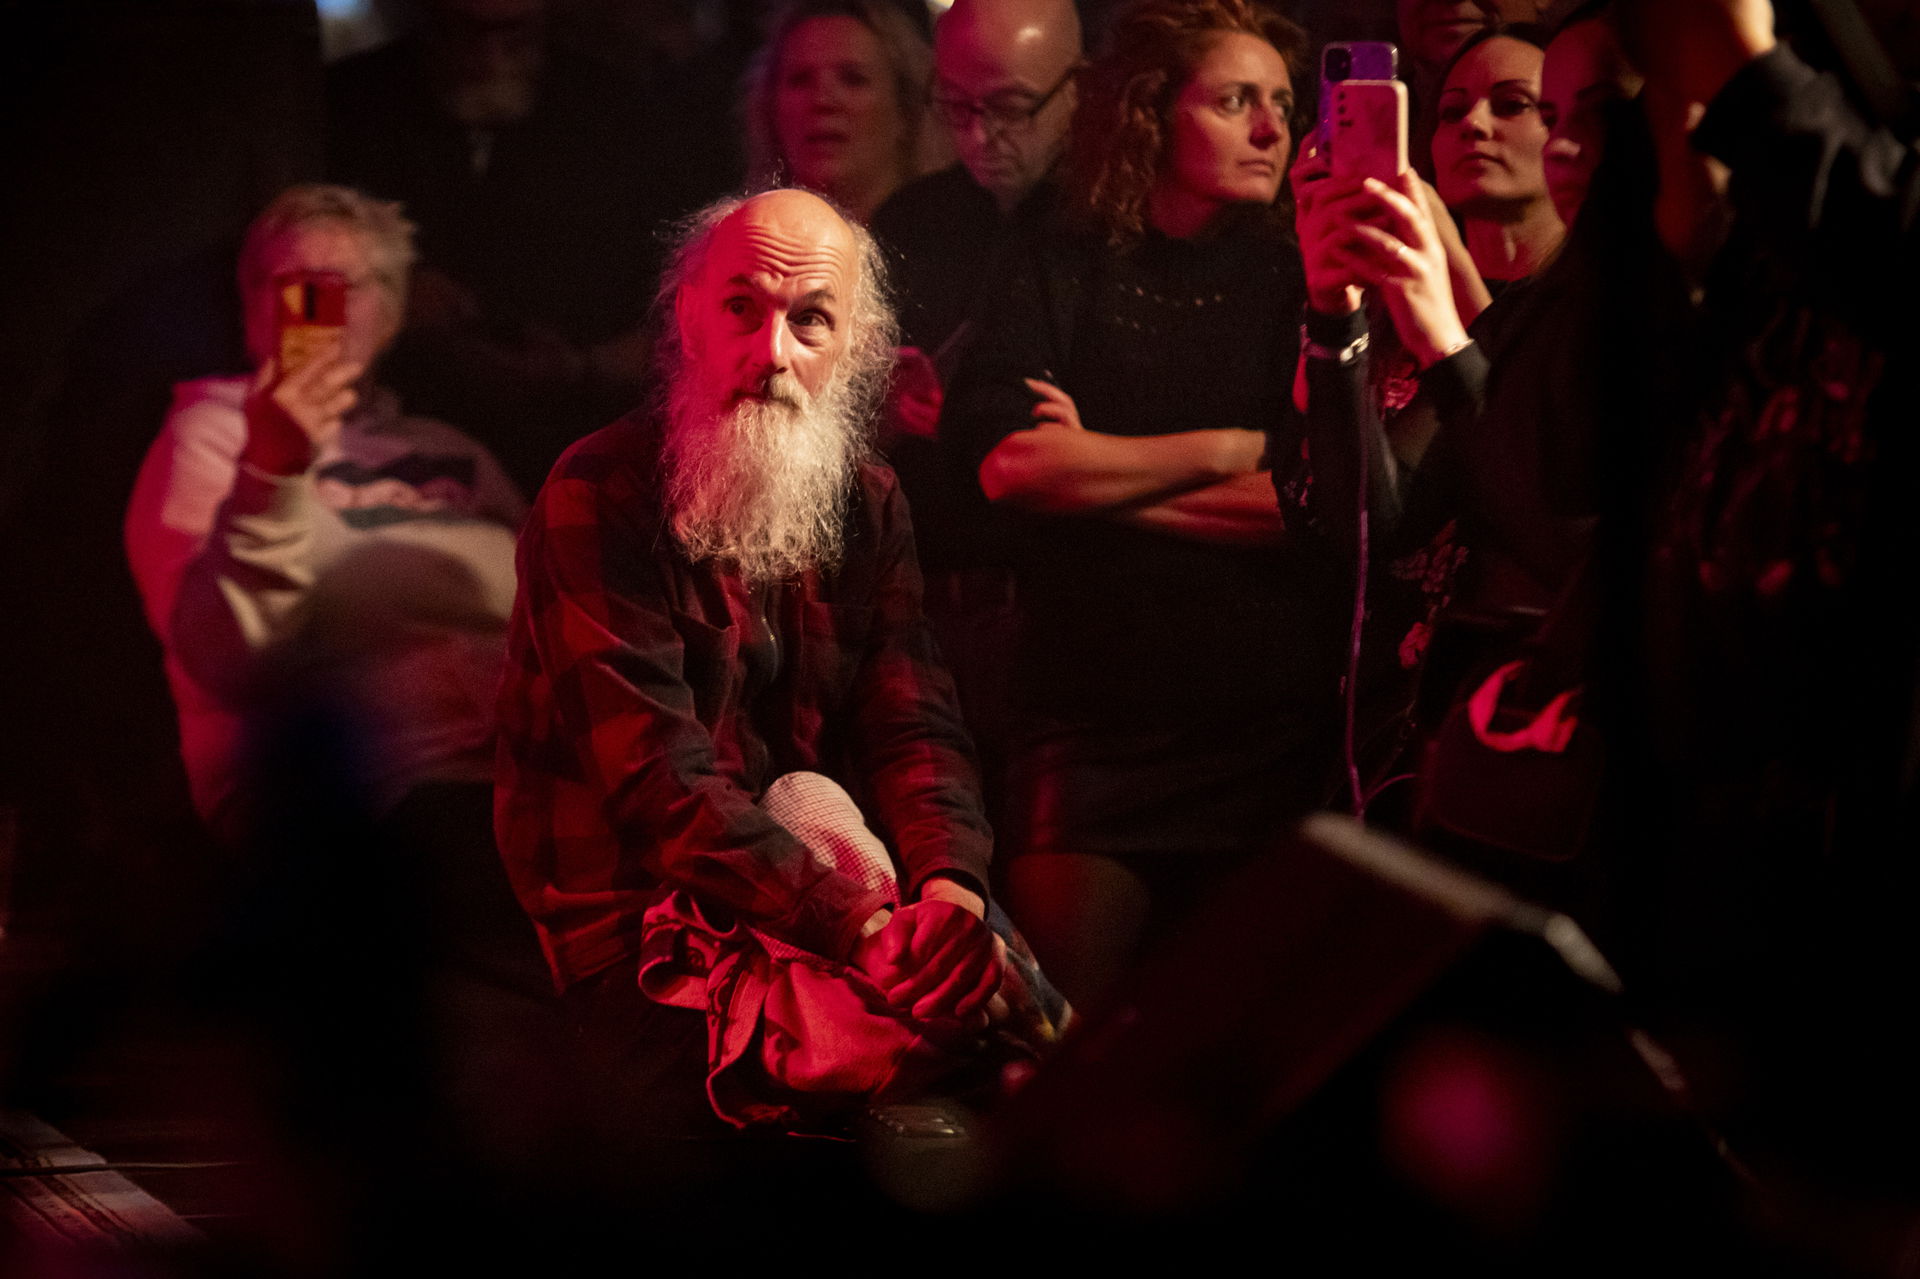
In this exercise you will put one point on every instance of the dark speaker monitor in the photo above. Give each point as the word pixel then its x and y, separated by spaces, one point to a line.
pixel 1366 1050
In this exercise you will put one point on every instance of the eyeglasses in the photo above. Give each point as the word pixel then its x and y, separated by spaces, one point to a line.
pixel 996 117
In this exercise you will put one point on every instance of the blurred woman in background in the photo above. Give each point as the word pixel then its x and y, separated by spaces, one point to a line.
pixel 837 103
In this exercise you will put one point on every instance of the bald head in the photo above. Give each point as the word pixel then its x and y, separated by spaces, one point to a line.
pixel 770 297
pixel 1013 31
pixel 995 61
pixel 789 229
pixel 770 375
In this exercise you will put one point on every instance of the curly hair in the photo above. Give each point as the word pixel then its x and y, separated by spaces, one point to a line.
pixel 1120 133
pixel 909 56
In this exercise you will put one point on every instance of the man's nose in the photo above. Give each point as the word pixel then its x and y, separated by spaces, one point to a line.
pixel 978 129
pixel 773 346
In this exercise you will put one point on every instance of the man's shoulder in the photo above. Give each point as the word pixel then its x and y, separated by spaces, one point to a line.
pixel 876 481
pixel 620 462
pixel 918 210
pixel 879 507
pixel 630 441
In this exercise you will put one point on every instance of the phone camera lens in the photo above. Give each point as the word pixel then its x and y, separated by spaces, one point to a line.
pixel 1339 64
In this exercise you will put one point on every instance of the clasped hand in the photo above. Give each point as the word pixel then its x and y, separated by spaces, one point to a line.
pixel 936 962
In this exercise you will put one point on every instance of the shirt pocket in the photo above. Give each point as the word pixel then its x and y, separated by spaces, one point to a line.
pixel 710 665
pixel 833 643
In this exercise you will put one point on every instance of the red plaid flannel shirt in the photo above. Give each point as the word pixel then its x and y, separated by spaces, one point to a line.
pixel 630 761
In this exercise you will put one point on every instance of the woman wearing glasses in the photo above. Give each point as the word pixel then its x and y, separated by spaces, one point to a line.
pixel 1179 646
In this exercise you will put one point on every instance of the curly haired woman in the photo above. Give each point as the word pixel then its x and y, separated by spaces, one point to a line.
pixel 1180 643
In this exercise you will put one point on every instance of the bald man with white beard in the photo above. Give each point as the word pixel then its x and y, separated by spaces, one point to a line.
pixel 716 592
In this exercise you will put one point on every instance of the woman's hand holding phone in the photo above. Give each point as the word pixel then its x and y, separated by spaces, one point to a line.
pixel 1332 288
pixel 1360 233
pixel 1396 249
pixel 291 418
pixel 1470 293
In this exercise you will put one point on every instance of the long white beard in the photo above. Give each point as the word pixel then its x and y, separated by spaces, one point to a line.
pixel 761 484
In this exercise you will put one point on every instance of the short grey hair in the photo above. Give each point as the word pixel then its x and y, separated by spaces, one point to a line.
pixel 872 332
pixel 379 223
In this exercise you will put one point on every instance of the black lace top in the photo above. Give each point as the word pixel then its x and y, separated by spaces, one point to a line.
pixel 1166 336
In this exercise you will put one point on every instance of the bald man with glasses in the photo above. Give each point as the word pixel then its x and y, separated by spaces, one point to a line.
pixel 1004 87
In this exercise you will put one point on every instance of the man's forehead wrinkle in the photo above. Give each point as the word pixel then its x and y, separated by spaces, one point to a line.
pixel 786 240
pixel 772 258
pixel 794 254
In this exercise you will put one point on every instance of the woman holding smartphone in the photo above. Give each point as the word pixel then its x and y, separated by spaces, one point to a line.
pixel 1177 665
pixel 1493 522
pixel 1492 213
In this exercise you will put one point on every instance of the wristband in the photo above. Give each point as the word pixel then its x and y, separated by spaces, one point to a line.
pixel 1341 356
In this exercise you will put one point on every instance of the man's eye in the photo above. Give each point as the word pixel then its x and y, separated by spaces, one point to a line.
pixel 812 319
pixel 736 306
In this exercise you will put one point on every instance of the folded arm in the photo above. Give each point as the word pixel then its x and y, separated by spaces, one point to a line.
pixel 1203 485
pixel 1063 471
pixel 1243 511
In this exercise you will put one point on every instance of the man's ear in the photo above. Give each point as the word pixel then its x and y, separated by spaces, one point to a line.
pixel 681 317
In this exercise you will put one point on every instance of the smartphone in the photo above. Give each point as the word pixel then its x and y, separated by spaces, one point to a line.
pixel 311 313
pixel 1369 136
pixel 1352 60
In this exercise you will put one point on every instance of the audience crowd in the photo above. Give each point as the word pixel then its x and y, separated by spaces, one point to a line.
pixel 1544 504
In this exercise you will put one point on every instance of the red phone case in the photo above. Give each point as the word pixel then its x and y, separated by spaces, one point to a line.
pixel 311 310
